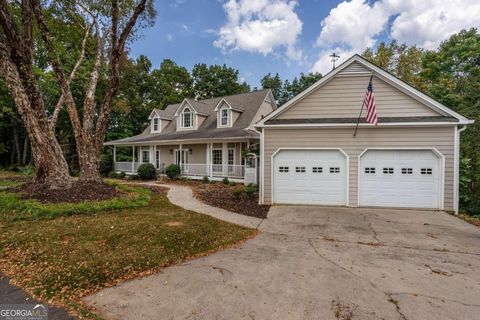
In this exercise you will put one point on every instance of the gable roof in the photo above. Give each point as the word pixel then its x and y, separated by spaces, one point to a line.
pixel 359 65
pixel 249 103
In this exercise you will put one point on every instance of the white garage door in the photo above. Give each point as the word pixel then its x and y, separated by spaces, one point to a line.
pixel 310 177
pixel 400 178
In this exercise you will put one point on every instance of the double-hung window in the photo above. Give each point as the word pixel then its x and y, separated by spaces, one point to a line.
pixel 224 117
pixel 187 118
pixel 155 125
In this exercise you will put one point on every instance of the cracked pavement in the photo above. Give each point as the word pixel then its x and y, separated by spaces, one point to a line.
pixel 320 263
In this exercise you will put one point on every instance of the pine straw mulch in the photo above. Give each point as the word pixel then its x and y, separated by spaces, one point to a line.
pixel 222 196
pixel 79 191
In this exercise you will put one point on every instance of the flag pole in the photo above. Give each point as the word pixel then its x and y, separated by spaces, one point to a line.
pixel 361 110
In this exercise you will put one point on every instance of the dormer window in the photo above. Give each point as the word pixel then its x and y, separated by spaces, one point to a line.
pixel 155 124
pixel 224 117
pixel 187 118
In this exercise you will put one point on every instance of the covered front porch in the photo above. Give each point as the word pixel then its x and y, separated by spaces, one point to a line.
pixel 215 160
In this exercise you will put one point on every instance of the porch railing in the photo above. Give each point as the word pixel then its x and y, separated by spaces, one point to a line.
pixel 214 170
pixel 193 169
pixel 126 166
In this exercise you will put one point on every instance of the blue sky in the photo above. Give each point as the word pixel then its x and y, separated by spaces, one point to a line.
pixel 289 37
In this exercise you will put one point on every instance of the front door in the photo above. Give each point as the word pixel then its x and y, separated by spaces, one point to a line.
pixel 217 161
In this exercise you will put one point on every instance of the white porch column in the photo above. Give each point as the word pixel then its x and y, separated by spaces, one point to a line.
pixel 154 156
pixel 210 157
pixel 133 159
pixel 181 158
pixel 224 159
pixel 207 157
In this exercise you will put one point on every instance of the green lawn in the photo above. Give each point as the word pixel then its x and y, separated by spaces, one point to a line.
pixel 63 258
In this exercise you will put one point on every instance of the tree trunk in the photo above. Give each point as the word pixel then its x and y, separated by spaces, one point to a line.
pixel 51 169
pixel 25 151
pixel 89 160
pixel 16 141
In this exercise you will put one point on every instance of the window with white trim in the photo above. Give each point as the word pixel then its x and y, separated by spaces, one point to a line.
pixel 407 170
pixel 317 169
pixel 155 124
pixel 300 169
pixel 282 169
pixel 370 170
pixel 217 156
pixel 231 156
pixel 224 117
pixel 145 156
pixel 186 118
pixel 388 171
pixel 426 171
pixel 334 170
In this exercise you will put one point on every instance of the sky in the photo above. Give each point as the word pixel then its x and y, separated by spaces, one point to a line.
pixel 288 37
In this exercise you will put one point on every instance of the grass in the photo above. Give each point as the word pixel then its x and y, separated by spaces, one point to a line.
pixel 475 220
pixel 61 258
pixel 12 207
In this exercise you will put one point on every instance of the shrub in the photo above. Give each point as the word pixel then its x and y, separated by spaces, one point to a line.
pixel 20 209
pixel 173 171
pixel 237 193
pixel 206 179
pixel 106 164
pixel 146 171
pixel 233 184
pixel 250 189
pixel 225 180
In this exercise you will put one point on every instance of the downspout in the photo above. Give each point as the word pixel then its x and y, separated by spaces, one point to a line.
pixel 457 167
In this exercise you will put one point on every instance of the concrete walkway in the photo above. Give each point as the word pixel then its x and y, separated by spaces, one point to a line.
pixel 182 196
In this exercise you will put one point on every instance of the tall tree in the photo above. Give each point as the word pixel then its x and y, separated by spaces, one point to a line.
pixel 284 91
pixel 216 81
pixel 275 84
pixel 452 76
pixel 17 69
pixel 405 62
pixel 89 123
pixel 172 82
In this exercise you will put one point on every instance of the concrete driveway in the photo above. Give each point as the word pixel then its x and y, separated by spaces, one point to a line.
pixel 320 263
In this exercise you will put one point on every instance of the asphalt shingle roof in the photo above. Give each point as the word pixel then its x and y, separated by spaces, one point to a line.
pixel 248 103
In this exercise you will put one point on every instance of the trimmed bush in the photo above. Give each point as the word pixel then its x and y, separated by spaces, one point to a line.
pixel 206 179
pixel 106 164
pixel 233 184
pixel 146 171
pixel 225 180
pixel 173 171
pixel 237 193
pixel 250 189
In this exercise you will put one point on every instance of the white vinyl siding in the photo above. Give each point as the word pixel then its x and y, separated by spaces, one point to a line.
pixel 342 97
pixel 440 138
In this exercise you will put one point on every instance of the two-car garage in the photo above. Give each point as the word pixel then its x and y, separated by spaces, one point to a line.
pixel 386 178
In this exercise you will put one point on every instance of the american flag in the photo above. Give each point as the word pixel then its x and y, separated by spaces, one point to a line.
pixel 370 103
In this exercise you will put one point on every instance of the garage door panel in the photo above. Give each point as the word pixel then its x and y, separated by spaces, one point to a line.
pixel 318 186
pixel 406 186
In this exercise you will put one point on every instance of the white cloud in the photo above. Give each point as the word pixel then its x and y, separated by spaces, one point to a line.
pixel 261 26
pixel 355 25
pixel 185 27
pixel 169 37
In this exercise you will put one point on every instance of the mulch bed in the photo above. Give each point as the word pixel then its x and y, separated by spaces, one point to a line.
pixel 80 191
pixel 221 196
